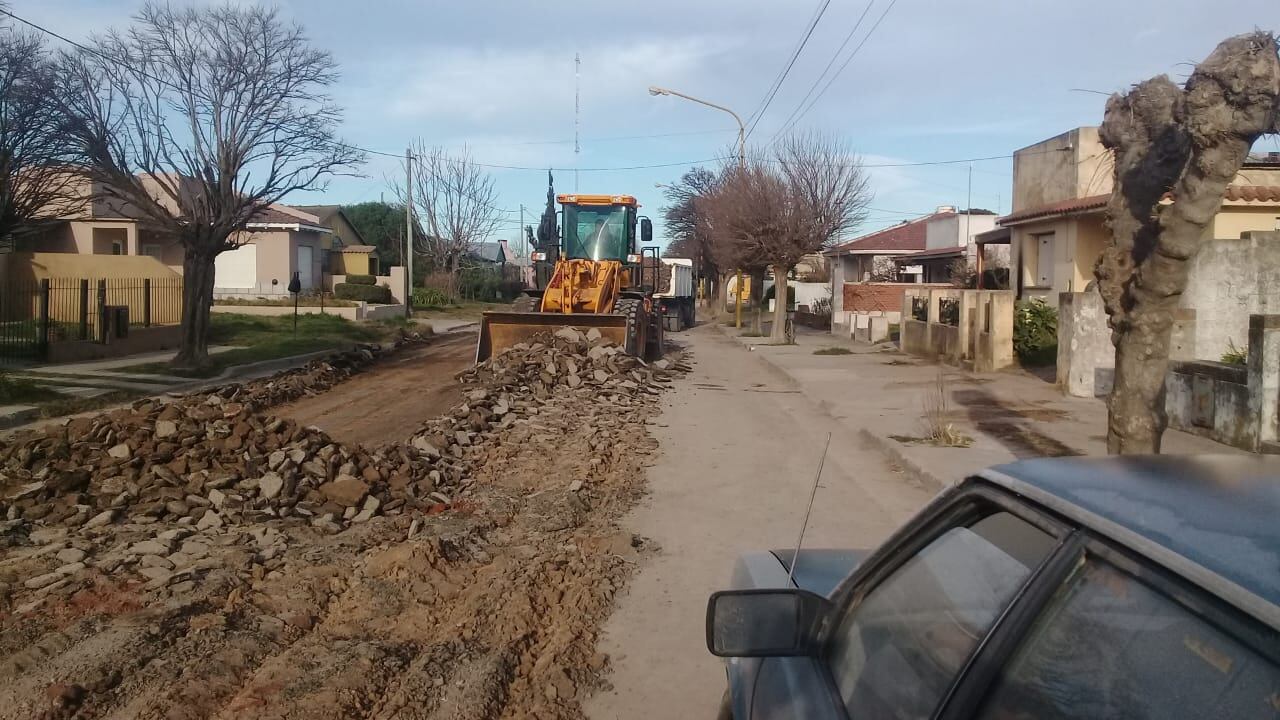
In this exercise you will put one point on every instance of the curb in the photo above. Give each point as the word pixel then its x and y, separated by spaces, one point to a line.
pixel 19 415
pixel 234 372
pixel 888 448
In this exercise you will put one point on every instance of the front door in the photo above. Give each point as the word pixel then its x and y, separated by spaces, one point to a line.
pixel 306 270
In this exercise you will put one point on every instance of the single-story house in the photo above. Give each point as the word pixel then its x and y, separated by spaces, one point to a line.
pixel 490 253
pixel 278 242
pixel 1057 230
pixel 350 253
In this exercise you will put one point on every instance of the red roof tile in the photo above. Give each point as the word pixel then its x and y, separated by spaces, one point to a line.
pixel 1252 193
pixel 907 236
pixel 1064 207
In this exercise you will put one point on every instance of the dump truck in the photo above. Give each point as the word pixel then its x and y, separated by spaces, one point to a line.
pixel 675 296
pixel 599 279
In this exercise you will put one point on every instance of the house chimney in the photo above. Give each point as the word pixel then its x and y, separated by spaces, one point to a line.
pixel 945 209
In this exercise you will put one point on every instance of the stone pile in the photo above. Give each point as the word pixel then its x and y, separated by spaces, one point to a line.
pixel 148 488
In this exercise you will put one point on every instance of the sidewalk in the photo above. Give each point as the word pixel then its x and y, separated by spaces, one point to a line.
pixel 98 377
pixel 882 393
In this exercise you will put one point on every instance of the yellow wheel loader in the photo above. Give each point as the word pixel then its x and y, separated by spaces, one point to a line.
pixel 600 279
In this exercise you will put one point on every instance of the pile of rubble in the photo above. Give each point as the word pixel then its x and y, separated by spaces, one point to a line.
pixel 162 470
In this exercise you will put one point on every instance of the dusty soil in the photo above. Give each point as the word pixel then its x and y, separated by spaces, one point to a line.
pixel 486 605
pixel 388 405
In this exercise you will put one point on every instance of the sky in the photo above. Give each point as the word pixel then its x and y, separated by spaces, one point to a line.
pixel 930 81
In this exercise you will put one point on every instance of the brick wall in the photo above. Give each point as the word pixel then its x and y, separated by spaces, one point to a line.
pixel 882 297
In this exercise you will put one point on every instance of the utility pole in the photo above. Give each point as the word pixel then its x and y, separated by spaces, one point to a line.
pixel 577 147
pixel 408 232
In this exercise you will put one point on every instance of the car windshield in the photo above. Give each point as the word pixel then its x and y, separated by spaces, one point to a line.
pixel 596 233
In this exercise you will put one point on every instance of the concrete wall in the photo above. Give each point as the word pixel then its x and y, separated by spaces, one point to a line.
pixel 1071 165
pixel 982 338
pixel 362 311
pixel 1086 357
pixel 140 340
pixel 1236 219
pixel 277 259
pixel 30 267
pixel 1230 280
pixel 950 231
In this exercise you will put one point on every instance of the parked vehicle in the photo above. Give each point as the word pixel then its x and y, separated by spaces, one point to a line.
pixel 1052 588
pixel 675 294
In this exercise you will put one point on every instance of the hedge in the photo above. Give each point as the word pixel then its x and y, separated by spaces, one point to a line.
pixel 362 280
pixel 367 293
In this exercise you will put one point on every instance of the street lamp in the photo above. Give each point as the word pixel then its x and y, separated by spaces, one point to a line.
pixel 742 166
pixel 742 132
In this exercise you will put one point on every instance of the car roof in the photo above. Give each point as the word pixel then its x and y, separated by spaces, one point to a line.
pixel 1213 519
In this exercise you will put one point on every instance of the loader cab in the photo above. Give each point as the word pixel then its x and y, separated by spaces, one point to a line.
pixel 602 227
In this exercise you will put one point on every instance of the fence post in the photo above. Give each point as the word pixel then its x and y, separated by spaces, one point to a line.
pixel 146 302
pixel 44 319
pixel 84 308
pixel 102 311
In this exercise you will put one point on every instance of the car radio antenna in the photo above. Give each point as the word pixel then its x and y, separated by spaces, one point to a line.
pixel 795 559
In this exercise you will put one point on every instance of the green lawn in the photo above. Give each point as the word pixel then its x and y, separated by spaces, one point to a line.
pixel 268 338
pixel 23 392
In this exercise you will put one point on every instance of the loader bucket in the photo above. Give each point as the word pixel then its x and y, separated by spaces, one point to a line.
pixel 501 330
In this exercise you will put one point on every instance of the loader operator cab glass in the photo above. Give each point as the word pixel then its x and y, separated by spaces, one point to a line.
pixel 596 233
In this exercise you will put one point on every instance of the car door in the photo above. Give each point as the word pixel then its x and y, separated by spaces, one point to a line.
pixel 907 622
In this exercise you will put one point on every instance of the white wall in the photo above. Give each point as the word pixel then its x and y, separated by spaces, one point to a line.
pixel 956 230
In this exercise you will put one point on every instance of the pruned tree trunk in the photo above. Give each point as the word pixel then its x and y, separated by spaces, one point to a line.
pixel 779 332
pixel 197 299
pixel 757 302
pixel 1187 143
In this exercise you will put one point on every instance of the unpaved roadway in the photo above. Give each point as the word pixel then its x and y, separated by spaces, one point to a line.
pixel 740 446
pixel 389 404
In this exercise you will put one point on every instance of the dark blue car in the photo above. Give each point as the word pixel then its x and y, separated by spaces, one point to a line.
pixel 1045 589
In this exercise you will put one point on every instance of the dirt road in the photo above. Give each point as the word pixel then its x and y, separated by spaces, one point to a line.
pixel 740 446
pixel 388 405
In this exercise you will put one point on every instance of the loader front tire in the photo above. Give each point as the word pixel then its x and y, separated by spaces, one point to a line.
pixel 633 309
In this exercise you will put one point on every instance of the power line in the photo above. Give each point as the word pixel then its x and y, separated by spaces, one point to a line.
pixel 773 92
pixel 832 61
pixel 847 60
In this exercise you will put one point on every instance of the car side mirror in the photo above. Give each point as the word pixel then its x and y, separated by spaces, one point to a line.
pixel 764 623
pixel 646 231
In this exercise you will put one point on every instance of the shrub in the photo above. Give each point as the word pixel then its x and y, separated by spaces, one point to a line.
pixel 429 297
pixel 361 280
pixel 1235 355
pixel 1035 332
pixel 367 293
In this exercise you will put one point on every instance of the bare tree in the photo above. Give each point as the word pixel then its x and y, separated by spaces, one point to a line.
pixel 688 224
pixel 36 184
pixel 197 120
pixel 457 203
pixel 775 212
pixel 1187 143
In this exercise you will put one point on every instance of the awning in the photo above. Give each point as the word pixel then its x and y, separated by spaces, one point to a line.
pixel 998 236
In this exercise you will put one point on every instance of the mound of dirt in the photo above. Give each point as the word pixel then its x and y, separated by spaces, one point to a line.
pixel 199 558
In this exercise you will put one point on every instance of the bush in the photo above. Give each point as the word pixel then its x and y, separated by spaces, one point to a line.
pixel 367 293
pixel 361 280
pixel 1035 332
pixel 429 297
pixel 1235 355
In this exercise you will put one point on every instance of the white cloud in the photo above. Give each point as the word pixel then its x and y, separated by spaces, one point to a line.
pixel 500 86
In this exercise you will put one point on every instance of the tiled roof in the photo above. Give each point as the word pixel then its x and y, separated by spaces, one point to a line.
pixel 1064 207
pixel 357 248
pixel 284 215
pixel 906 236
pixel 1252 193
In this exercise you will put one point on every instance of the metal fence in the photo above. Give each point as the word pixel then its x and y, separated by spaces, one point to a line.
pixel 35 313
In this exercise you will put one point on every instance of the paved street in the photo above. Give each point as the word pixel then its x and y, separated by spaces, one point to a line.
pixel 740 446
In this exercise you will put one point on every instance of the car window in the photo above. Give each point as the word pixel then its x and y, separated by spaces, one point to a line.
pixel 1111 646
pixel 895 653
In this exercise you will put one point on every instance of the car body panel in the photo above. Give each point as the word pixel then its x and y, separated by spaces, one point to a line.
pixel 1210 519
pixel 820 570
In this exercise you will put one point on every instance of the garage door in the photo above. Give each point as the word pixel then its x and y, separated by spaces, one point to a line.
pixel 236 269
